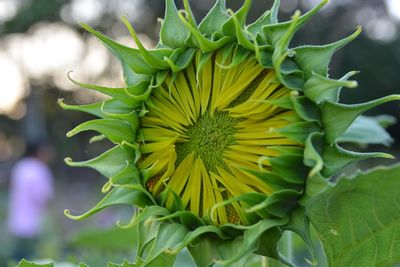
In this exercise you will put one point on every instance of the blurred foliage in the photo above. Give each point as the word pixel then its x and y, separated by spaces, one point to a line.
pixel 105 239
pixel 32 12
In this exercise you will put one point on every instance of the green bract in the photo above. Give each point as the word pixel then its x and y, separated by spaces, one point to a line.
pixel 222 133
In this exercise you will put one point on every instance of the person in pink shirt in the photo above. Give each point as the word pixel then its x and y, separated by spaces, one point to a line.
pixel 31 189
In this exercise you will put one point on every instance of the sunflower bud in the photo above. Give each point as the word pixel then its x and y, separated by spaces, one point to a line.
pixel 221 131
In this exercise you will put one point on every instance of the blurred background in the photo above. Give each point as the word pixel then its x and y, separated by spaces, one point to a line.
pixel 41 41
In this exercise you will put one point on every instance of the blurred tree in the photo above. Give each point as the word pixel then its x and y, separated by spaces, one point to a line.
pixel 31 12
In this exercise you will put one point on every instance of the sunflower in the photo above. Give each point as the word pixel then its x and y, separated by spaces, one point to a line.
pixel 221 133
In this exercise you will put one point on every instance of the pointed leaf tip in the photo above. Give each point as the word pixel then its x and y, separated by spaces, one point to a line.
pixel 70 134
pixel 320 88
pixel 229 26
pixel 202 41
pixel 173 32
pixel 338 117
pixel 336 158
pixel 151 59
pixel 316 58
pixel 60 102
pixel 387 156
pixel 189 13
pixel 67 212
pixel 129 57
pixel 274 11
pixel 214 20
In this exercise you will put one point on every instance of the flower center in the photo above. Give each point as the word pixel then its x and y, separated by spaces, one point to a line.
pixel 205 132
pixel 208 137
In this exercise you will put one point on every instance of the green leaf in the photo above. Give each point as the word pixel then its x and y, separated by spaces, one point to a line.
pixel 250 241
pixel 94 108
pixel 320 88
pixel 312 153
pixel 129 56
pixel 121 94
pixel 358 219
pixel 242 35
pixel 290 168
pixel 338 117
pixel 385 120
pixel 24 263
pixel 173 32
pixel 129 175
pixel 149 56
pixel 312 58
pixel 146 233
pixel 275 33
pixel 269 17
pixel 239 55
pixel 274 180
pixel 299 131
pixel 126 264
pixel 116 196
pixel 201 41
pixel 264 56
pixel 306 109
pixel 214 20
pixel 281 203
pixel 169 235
pixel 131 77
pixel 336 158
pixel 100 109
pixel 182 61
pixel 229 27
pixel 109 163
pixel 204 252
pixel 280 35
pixel 299 223
pixel 315 184
pixel 116 131
pixel 367 130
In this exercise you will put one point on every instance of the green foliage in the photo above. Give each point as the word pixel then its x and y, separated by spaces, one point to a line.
pixel 369 130
pixel 25 263
pixel 32 12
pixel 358 219
pixel 115 238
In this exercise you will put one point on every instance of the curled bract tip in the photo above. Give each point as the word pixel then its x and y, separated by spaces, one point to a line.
pixel 70 133
pixel 387 156
pixel 67 213
pixel 106 187
pixel 296 15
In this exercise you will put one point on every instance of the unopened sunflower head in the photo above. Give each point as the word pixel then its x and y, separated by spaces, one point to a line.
pixel 222 130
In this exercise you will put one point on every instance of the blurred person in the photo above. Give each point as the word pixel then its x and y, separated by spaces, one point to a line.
pixel 31 189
